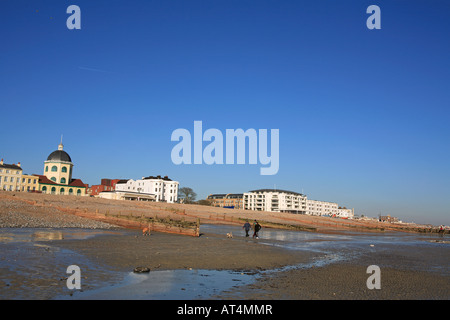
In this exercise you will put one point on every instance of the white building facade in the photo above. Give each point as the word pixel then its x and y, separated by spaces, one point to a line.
pixel 163 188
pixel 321 208
pixel 275 200
pixel 345 213
pixel 287 201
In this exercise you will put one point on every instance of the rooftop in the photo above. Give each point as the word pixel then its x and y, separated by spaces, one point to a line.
pixel 59 155
pixel 276 190
pixel 165 178
pixel 10 166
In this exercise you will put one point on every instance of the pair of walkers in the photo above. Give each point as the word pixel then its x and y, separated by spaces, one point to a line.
pixel 256 228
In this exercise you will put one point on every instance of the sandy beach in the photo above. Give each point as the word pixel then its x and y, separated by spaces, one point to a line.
pixel 408 271
pixel 347 281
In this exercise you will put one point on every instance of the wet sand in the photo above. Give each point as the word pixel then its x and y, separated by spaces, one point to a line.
pixel 161 251
pixel 407 272
pixel 347 281
pixel 106 258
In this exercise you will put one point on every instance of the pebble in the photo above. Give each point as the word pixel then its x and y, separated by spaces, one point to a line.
pixel 14 214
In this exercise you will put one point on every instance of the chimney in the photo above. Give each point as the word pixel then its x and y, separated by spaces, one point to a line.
pixel 18 164
pixel 1 162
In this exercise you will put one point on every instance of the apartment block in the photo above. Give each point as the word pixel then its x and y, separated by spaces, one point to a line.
pixel 229 200
pixel 321 208
pixel 275 200
pixel 10 176
pixel 163 188
pixel 344 213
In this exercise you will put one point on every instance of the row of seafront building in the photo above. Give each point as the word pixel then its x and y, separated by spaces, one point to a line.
pixel 57 179
pixel 152 188
pixel 277 200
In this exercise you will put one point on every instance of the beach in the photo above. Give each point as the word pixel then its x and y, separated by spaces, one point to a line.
pixel 39 242
pixel 400 280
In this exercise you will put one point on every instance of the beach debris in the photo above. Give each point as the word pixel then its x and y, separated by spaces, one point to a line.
pixel 141 270
pixel 372 245
pixel 439 241
pixel 229 235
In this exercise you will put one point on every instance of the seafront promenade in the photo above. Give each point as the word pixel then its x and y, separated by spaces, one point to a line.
pixel 21 209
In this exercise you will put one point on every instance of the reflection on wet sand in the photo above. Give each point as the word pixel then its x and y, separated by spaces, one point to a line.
pixel 47 235
pixel 32 234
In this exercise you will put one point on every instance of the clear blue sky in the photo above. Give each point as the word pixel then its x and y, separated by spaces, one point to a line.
pixel 363 114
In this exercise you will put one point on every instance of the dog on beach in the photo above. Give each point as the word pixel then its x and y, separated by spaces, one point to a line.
pixel 229 235
pixel 146 232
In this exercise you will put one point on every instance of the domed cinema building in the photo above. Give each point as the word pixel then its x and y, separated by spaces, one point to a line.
pixel 57 177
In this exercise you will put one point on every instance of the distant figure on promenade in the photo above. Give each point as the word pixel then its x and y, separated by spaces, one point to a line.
pixel 146 232
pixel 247 228
pixel 256 229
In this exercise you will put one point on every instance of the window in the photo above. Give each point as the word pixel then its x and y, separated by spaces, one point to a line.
pixel 44 189
pixel 54 169
pixel 63 180
pixel 64 169
pixel 71 191
pixel 46 168
pixel 61 191
pixel 53 190
pixel 78 192
pixel 53 179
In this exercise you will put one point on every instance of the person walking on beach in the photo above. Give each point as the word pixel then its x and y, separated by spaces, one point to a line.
pixel 256 229
pixel 247 228
pixel 441 231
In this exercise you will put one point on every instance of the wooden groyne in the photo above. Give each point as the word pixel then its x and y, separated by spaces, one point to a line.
pixel 141 221
pixel 166 225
